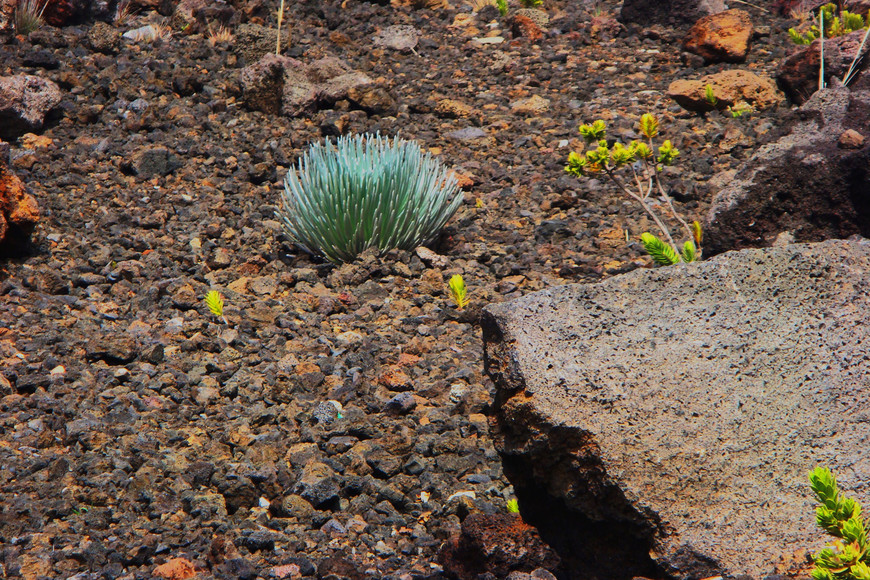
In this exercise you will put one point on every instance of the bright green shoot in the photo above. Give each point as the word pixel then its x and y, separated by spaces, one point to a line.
pixel 502 6
pixel 709 96
pixel 513 506
pixel 215 303
pixel 458 291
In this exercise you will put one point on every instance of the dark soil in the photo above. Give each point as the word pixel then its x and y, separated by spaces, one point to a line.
pixel 136 427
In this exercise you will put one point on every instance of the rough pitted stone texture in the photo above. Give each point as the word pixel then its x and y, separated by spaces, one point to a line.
pixel 525 27
pixel 104 38
pixel 684 406
pixel 7 9
pixel 539 17
pixel 399 37
pixel 280 84
pixel 798 75
pixel 679 12
pixel 722 37
pixel 805 183
pixel 730 87
pixel 254 41
pixel 496 544
pixel 24 102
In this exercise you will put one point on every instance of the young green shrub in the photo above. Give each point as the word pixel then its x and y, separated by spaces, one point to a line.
pixel 502 6
pixel 644 164
pixel 832 22
pixel 847 558
pixel 366 192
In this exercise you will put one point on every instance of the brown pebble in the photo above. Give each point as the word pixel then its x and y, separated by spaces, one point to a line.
pixel 851 139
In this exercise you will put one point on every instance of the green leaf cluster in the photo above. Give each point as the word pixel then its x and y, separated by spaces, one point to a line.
pixel 606 158
pixel 502 6
pixel 847 557
pixel 665 254
pixel 532 3
pixel 366 191
pixel 834 25
pixel 641 159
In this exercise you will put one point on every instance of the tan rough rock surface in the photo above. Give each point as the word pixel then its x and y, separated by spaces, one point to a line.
pixel 729 88
pixel 722 37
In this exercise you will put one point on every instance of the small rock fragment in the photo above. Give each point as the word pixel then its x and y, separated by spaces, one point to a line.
pixel 850 139
pixel 175 569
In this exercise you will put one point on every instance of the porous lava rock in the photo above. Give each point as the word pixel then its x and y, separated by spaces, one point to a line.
pixel 7 9
pixel 64 12
pixel 668 12
pixel 671 415
pixel 19 211
pixel 24 102
pixel 798 75
pixel 496 544
pixel 729 87
pixel 283 85
pixel 805 184
pixel 722 37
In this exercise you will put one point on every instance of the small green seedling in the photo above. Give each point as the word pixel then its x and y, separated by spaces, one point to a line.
pixel 502 6
pixel 458 291
pixel 709 96
pixel 739 111
pixel 215 303
pixel 847 557
pixel 644 164
pixel 513 506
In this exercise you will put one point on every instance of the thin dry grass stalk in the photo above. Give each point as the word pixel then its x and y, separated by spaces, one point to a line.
pixel 28 16
pixel 124 12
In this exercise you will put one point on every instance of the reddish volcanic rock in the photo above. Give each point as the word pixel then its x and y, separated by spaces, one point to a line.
pixel 18 209
pixel 722 37
pixel 498 544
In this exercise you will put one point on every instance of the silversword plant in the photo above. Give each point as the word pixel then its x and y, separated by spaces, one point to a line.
pixel 366 191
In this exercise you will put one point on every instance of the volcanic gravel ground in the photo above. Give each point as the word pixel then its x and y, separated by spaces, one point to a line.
pixel 137 427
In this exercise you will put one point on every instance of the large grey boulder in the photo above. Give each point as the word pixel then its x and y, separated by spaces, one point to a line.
pixel 24 102
pixel 667 419
pixel 812 184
